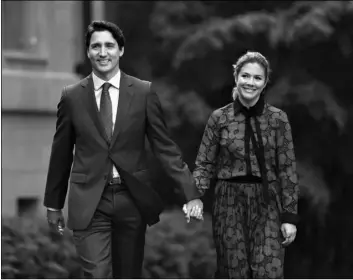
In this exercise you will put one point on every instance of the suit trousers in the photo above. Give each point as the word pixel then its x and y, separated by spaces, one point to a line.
pixel 112 246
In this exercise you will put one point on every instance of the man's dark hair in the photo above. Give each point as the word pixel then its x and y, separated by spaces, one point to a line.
pixel 101 25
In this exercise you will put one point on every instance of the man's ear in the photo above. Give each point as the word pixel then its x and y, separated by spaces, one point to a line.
pixel 122 51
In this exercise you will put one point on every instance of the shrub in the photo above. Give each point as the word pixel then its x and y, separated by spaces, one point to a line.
pixel 174 249
pixel 30 250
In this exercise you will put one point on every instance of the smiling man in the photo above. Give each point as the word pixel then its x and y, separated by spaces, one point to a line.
pixel 106 117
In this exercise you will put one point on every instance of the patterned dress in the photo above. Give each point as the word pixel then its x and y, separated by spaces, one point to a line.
pixel 247 215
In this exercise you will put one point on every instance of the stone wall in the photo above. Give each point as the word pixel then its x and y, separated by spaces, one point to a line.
pixel 43 41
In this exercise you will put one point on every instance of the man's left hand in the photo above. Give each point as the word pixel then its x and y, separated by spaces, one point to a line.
pixel 194 208
pixel 56 221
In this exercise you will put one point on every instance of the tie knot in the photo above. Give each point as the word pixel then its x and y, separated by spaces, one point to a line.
pixel 106 87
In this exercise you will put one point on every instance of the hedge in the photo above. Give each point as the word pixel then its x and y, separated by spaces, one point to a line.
pixel 174 249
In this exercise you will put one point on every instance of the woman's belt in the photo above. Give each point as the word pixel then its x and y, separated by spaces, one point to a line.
pixel 250 179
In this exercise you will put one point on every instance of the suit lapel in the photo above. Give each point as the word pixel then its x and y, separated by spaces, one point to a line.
pixel 125 97
pixel 92 107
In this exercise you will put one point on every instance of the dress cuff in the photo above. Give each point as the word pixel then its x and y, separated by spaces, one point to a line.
pixel 290 218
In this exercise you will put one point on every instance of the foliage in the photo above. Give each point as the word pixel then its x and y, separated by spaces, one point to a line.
pixel 304 24
pixel 29 250
pixel 181 107
pixel 173 249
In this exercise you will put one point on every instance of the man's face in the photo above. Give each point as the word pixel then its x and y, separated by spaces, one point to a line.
pixel 104 54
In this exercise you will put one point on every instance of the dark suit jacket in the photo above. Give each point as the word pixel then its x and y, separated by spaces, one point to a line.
pixel 79 129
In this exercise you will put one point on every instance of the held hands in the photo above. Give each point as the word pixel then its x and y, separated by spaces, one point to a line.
pixel 289 232
pixel 194 208
pixel 56 221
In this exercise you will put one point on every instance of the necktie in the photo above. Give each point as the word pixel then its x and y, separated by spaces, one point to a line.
pixel 106 110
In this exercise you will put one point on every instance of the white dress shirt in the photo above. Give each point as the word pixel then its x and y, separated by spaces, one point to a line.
pixel 114 96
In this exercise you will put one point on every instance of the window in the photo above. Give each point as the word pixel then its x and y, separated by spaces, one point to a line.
pixel 27 206
pixel 22 27
pixel 12 23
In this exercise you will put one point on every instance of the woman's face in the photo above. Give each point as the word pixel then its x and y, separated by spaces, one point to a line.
pixel 250 81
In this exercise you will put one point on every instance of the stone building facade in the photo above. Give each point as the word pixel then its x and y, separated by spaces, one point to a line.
pixel 42 46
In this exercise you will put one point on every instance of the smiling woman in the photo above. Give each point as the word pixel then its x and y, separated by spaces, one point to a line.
pixel 251 74
pixel 247 146
pixel 250 83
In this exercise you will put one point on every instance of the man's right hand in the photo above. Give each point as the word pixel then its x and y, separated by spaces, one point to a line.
pixel 56 221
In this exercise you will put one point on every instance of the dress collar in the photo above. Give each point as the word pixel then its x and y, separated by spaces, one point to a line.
pixel 255 110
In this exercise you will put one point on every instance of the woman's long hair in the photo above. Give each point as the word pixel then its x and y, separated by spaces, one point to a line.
pixel 235 92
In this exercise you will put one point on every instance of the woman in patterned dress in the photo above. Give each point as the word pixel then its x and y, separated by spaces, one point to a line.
pixel 247 146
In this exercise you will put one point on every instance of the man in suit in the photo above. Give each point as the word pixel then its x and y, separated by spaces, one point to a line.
pixel 99 144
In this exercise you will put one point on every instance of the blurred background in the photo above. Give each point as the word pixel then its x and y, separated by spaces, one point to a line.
pixel 187 49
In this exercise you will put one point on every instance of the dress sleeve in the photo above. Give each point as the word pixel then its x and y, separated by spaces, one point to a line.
pixel 287 171
pixel 207 155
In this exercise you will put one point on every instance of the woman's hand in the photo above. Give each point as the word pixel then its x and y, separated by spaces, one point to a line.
pixel 289 232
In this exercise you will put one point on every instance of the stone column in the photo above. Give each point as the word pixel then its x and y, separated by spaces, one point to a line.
pixel 97 10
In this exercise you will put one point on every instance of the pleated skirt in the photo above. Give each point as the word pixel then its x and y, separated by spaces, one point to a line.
pixel 246 232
